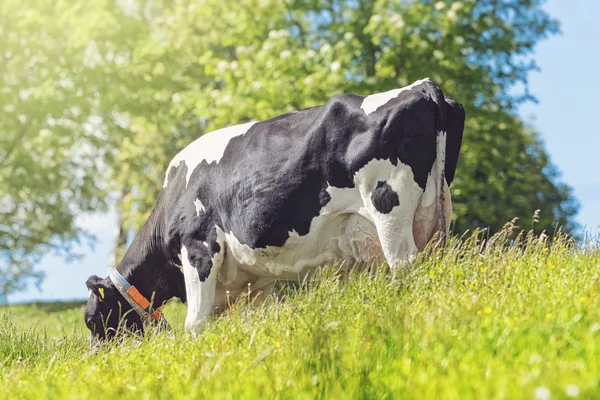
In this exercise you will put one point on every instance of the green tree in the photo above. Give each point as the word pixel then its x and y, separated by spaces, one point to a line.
pixel 132 82
pixel 51 141
pixel 217 65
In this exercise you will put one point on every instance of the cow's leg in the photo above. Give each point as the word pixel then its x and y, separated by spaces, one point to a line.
pixel 390 197
pixel 201 263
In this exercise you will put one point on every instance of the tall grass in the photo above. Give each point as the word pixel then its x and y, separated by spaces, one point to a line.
pixel 509 316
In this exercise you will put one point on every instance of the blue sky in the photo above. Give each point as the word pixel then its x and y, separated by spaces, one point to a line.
pixel 566 88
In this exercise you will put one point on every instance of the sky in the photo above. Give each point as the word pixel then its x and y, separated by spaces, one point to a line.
pixel 567 90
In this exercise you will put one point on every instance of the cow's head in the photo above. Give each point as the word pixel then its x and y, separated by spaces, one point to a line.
pixel 107 312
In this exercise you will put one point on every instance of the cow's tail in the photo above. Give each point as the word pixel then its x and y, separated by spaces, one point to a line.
pixel 440 157
pixel 440 154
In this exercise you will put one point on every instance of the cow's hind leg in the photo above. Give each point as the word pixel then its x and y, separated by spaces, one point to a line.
pixel 201 263
pixel 391 196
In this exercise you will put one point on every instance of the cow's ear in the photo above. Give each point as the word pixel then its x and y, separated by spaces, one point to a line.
pixel 95 284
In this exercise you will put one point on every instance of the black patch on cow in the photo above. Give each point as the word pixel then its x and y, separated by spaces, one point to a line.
pixel 384 198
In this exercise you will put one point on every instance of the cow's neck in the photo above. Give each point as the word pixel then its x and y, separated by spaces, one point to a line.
pixel 146 266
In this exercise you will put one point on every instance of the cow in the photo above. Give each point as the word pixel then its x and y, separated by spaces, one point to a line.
pixel 359 179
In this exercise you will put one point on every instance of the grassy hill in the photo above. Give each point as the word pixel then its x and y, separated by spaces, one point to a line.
pixel 469 322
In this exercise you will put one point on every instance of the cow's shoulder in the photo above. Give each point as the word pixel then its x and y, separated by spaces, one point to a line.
pixel 208 148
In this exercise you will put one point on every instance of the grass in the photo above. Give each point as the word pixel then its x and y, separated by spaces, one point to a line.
pixel 469 322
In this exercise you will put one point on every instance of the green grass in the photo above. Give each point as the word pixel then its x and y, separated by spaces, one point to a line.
pixel 512 323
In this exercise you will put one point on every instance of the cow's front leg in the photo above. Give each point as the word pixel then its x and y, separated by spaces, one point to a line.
pixel 201 263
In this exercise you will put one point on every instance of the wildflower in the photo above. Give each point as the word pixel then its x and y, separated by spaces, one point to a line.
pixel 548 316
pixel 277 345
pixel 582 299
pixel 487 310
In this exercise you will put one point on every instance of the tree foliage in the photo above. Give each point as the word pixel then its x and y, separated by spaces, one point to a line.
pixel 134 81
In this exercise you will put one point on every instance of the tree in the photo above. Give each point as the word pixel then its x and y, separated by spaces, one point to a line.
pixel 263 58
pixel 138 80
pixel 52 144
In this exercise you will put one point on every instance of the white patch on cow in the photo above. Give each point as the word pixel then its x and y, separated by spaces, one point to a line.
pixel 89 293
pixel 199 207
pixel 209 147
pixel 372 102
pixel 200 295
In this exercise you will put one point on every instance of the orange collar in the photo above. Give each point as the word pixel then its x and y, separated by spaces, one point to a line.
pixel 137 301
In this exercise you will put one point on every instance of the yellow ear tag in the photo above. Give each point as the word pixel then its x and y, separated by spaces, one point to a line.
pixel 101 291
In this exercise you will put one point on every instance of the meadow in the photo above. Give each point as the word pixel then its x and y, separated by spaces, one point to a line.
pixel 472 320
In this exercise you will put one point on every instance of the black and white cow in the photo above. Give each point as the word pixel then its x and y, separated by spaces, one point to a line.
pixel 357 179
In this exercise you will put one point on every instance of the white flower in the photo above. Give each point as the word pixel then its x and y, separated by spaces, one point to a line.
pixel 541 393
pixel 376 18
pixel 326 48
pixel 348 35
pixel 278 34
pixel 226 98
pixel 572 390
pixel 459 40
pixel 438 54
pixel 397 21
pixel 308 80
pixel 440 5
pixel 452 14
pixel 256 85
pixel 457 5
pixel 335 66
pixel 222 65
pixel 285 54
